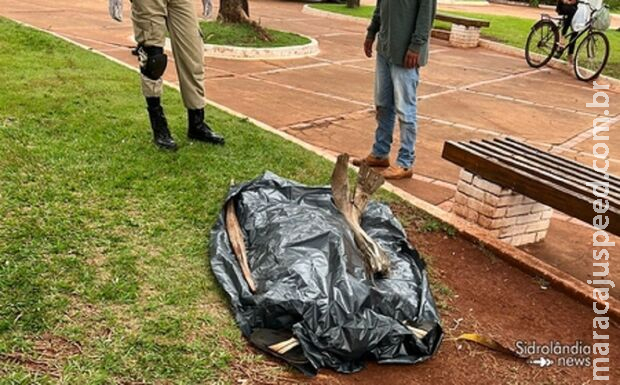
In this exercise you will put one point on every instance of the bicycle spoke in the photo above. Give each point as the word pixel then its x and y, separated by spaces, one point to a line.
pixel 591 56
pixel 541 43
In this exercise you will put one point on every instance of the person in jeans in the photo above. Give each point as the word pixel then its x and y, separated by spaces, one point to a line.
pixel 403 28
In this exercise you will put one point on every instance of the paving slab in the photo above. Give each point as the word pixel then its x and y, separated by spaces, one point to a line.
pixel 539 91
pixel 431 139
pixel 525 121
pixel 557 77
pixel 613 143
pixel 296 106
pixel 480 59
pixel 296 63
pixel 361 64
pixel 455 76
pixel 338 80
pixel 316 26
pixel 574 257
pixel 341 81
pixel 241 67
pixel 342 48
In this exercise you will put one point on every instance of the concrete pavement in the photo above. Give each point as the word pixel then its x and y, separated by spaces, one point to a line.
pixel 327 100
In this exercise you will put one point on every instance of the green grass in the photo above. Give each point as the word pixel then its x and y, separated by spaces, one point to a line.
pixel 505 29
pixel 103 237
pixel 243 35
pixel 364 11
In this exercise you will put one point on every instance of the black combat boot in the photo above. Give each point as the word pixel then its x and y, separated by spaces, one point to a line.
pixel 199 129
pixel 159 124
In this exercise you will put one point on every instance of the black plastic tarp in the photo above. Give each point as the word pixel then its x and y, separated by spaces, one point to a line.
pixel 311 281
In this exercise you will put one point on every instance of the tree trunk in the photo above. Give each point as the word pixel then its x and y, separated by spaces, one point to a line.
pixel 238 11
pixel 234 11
pixel 353 3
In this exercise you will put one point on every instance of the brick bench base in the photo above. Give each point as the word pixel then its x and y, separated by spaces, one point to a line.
pixel 464 37
pixel 511 217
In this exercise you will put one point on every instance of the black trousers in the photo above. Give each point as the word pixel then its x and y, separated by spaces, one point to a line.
pixel 568 11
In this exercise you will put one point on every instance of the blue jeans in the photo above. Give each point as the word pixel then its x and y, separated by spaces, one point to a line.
pixel 395 94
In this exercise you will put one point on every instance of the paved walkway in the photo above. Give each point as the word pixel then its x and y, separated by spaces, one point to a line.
pixel 327 100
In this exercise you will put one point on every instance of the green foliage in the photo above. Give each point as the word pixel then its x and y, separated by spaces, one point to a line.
pixel 244 35
pixel 364 11
pixel 433 225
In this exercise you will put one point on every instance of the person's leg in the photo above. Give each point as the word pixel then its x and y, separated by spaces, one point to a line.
pixel 149 22
pixel 187 48
pixel 568 21
pixel 405 94
pixel 188 51
pixel 385 112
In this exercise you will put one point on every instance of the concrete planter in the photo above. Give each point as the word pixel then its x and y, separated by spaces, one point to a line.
pixel 249 53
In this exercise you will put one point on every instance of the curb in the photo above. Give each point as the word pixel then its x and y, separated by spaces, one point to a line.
pixel 512 255
pixel 280 53
pixel 250 53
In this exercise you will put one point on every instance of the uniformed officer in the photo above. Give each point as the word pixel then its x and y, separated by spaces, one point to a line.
pixel 151 19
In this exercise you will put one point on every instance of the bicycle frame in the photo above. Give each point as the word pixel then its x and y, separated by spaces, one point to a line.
pixel 559 23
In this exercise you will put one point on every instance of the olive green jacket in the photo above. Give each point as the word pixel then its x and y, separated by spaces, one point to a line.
pixel 403 25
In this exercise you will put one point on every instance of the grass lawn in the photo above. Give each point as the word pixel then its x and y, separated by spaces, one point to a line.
pixel 243 35
pixel 103 238
pixel 505 29
pixel 104 273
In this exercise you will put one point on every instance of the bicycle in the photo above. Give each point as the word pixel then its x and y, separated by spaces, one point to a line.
pixel 590 57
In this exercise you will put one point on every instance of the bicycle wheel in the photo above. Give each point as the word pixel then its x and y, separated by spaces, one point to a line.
pixel 541 43
pixel 591 56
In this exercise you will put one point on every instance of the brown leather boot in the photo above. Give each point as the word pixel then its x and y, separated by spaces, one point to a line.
pixel 372 161
pixel 397 172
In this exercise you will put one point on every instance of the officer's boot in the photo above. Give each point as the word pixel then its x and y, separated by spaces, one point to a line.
pixel 199 130
pixel 159 124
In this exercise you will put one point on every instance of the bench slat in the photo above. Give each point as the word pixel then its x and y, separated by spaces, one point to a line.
pixel 536 170
pixel 537 161
pixel 554 162
pixel 563 161
pixel 462 20
pixel 546 192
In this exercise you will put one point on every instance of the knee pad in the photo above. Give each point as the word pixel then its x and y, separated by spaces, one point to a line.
pixel 153 62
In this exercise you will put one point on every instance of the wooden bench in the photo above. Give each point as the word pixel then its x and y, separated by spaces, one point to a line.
pixel 510 188
pixel 465 31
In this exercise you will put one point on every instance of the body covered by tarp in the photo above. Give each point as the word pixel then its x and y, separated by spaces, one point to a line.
pixel 311 280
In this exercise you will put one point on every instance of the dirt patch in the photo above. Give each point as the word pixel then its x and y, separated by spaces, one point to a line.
pixel 49 352
pixel 478 293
